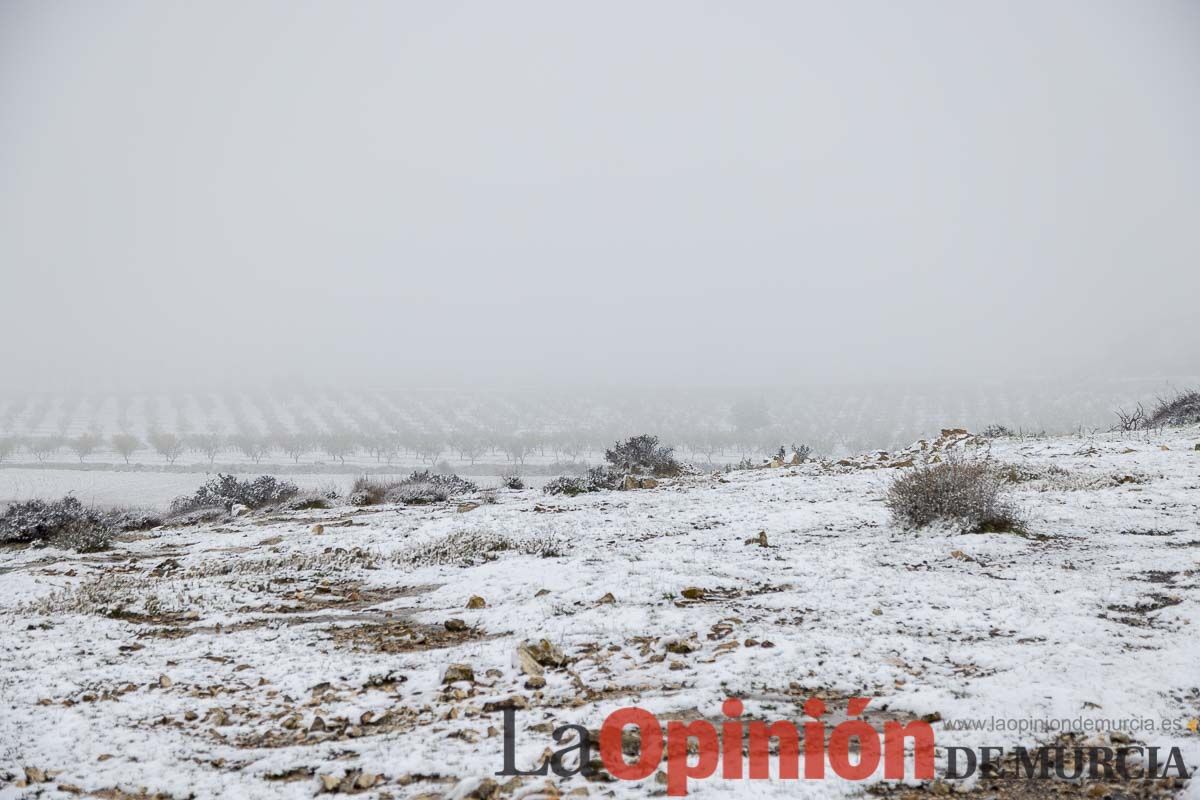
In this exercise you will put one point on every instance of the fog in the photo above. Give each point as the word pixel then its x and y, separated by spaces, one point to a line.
pixel 618 194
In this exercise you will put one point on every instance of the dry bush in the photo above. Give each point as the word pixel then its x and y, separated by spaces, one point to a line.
pixel 466 548
pixel 958 490
pixel 418 488
pixel 224 491
pixel 1183 409
pixel 597 479
pixel 65 523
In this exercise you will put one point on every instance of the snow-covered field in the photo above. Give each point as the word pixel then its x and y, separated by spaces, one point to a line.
pixel 258 658
pixel 155 489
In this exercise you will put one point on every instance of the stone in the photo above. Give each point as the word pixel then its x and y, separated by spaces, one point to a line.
pixel 455 625
pixel 607 599
pixel 329 783
pixel 535 682
pixel 630 483
pixel 693 593
pixel 476 602
pixel 318 529
pixel 649 483
pixel 458 672
pixel 238 510
pixel 517 701
pixel 463 508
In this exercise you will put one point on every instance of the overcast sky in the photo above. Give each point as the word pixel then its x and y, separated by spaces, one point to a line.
pixel 607 193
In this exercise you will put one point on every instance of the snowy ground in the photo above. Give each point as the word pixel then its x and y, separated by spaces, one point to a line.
pixel 256 658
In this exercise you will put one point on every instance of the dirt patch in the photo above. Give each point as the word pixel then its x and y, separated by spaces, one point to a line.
pixel 401 636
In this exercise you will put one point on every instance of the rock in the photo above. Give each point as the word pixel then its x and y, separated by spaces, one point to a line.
pixel 775 463
pixel 649 483
pixel 517 701
pixel 693 593
pixel 608 599
pixel 630 483
pixel 1198 447
pixel 164 682
pixel 237 510
pixel 541 593
pixel 877 612
pixel 762 539
pixel 366 781
pixel 527 663
pixel 455 625
pixel 463 508
pixel 546 654
pixel 535 682
pixel 796 460
pixel 35 775
pixel 329 783
pixel 1097 790
pixel 270 540
pixel 317 725
pixel 681 647
pixel 1161 447
pixel 486 789
pixel 458 672
pixel 318 529
pixel 476 602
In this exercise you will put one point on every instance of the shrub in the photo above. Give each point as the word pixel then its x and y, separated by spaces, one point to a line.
pixel 801 452
pixel 643 454
pixel 997 432
pixel 957 490
pixel 467 548
pixel 513 481
pixel 597 479
pixel 1133 420
pixel 367 492
pixel 1183 409
pixel 64 523
pixel 419 487
pixel 225 490
pixel 565 484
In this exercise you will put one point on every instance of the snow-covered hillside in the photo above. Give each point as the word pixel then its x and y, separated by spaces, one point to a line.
pixel 274 655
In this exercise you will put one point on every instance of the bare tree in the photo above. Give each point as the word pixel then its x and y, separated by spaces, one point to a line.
pixel 8 446
pixel 126 444
pixel 43 447
pixel 517 447
pixel 255 448
pixel 339 444
pixel 294 445
pixel 85 444
pixel 210 445
pixel 167 445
